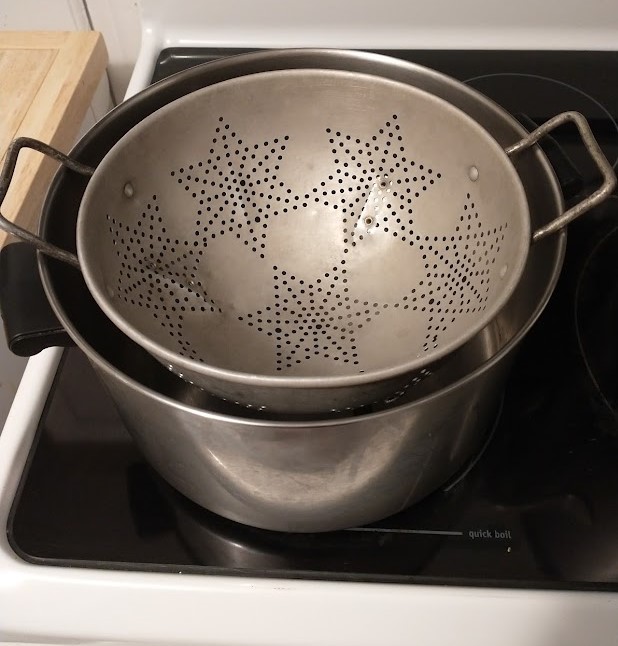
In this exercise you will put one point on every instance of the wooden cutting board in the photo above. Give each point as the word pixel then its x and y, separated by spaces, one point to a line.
pixel 47 81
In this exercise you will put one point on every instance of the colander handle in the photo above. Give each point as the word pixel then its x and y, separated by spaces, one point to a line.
pixel 6 175
pixel 593 148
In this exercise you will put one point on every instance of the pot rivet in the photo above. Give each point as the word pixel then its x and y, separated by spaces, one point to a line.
pixel 473 173
pixel 503 271
pixel 128 190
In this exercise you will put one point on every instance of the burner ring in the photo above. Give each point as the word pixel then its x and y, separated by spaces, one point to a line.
pixel 596 319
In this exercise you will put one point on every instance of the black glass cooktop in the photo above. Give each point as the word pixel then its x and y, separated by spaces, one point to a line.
pixel 539 507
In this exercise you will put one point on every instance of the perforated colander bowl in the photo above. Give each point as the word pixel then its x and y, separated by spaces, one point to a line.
pixel 305 240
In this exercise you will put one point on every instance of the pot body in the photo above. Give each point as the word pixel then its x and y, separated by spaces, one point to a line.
pixel 308 477
pixel 312 475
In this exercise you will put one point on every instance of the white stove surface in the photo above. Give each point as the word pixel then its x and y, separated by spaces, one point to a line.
pixel 64 605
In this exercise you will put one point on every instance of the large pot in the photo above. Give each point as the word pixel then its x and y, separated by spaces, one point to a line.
pixel 319 475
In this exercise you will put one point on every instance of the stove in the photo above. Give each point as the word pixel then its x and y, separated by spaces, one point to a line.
pixel 520 547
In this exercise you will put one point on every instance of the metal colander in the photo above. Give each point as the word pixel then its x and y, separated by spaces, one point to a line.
pixel 304 240
pixel 232 262
pixel 304 224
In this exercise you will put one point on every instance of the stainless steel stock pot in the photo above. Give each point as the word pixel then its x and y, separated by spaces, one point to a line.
pixel 323 472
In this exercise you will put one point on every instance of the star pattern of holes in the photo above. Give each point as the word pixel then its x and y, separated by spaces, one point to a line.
pixel 375 183
pixel 312 320
pixel 159 273
pixel 457 269
pixel 236 188
pixel 318 319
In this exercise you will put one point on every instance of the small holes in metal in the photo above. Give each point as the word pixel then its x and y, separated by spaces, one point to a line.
pixel 373 189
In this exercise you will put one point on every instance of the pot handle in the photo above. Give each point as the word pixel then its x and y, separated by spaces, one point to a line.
pixel 594 150
pixel 6 175
pixel 30 324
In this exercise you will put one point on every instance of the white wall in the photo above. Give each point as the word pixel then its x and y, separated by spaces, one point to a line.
pixel 118 20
